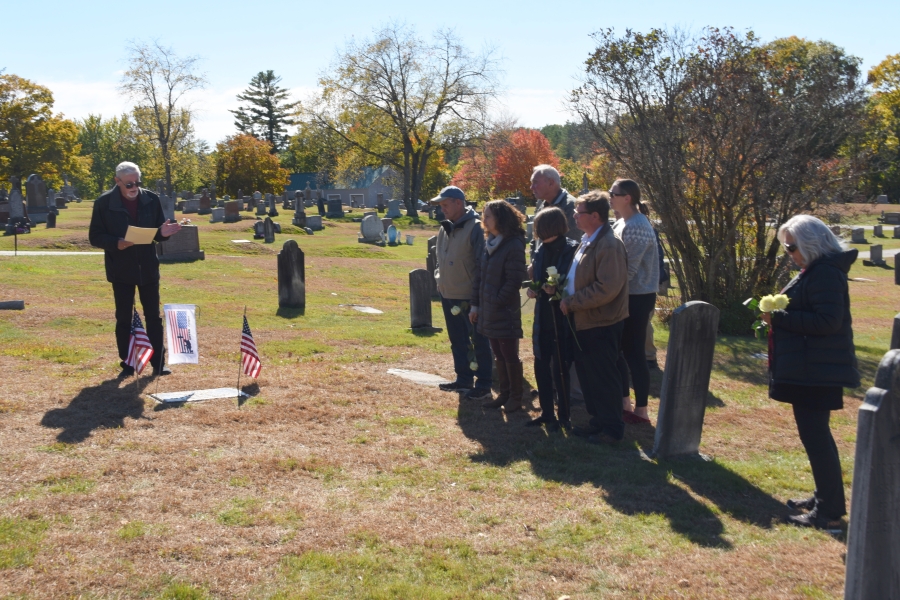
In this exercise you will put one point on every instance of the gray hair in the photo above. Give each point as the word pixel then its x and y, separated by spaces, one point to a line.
pixel 127 168
pixel 812 236
pixel 547 171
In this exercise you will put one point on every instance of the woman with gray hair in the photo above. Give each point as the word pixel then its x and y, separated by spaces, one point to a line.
pixel 812 358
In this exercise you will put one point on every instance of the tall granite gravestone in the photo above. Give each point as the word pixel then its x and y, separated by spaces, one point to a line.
pixel 232 211
pixel 256 199
pixel 878 231
pixel 873 537
pixel 182 247
pixel 370 231
pixel 36 198
pixel 685 384
pixel 299 212
pixel 335 208
pixel 858 235
pixel 291 276
pixel 379 202
pixel 420 299
pixel 273 205
pixel 320 204
pixel 269 231
pixel 393 211
pixel 895 333
pixel 16 201
pixel 168 206
pixel 204 206
pixel 876 257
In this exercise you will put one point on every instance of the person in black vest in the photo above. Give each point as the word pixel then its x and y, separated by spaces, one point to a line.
pixel 130 266
pixel 551 336
pixel 812 357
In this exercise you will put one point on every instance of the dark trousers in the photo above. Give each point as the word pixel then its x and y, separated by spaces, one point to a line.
pixel 632 361
pixel 601 383
pixel 149 295
pixel 823 459
pixel 547 375
pixel 505 349
pixel 461 331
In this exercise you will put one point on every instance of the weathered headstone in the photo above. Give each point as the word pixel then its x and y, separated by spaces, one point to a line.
pixel 881 199
pixel 878 231
pixel 393 211
pixel 191 206
pixel 876 258
pixel 370 230
pixel 36 199
pixel 419 299
pixel 204 204
pixel 379 205
pixel 51 220
pixel 273 205
pixel 269 231
pixel 858 235
pixel 892 218
pixel 260 209
pixel 320 204
pixel 393 236
pixel 299 212
pixel 16 201
pixel 232 211
pixel 183 246
pixel 218 215
pixel 385 223
pixel 897 233
pixel 895 333
pixel 685 385
pixel 168 207
pixel 335 208
pixel 291 276
pixel 314 222
pixel 873 537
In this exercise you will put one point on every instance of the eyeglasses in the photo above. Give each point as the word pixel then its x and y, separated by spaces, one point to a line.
pixel 611 193
pixel 128 186
pixel 790 247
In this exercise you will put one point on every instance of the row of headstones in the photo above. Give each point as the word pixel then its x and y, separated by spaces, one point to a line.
pixel 858 234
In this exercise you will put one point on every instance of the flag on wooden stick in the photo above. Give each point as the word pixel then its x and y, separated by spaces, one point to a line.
pixel 249 355
pixel 139 349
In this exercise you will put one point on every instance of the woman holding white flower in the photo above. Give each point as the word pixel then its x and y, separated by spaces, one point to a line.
pixel 551 336
pixel 496 311
pixel 812 357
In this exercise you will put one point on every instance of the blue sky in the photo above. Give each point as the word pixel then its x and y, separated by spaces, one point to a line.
pixel 78 50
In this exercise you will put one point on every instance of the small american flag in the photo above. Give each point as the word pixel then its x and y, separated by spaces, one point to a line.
pixel 249 356
pixel 178 323
pixel 139 348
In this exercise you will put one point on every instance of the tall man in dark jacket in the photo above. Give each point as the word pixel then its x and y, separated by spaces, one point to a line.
pixel 130 266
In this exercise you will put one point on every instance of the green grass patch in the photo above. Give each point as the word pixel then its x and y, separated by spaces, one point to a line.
pixel 361 251
pixel 20 540
pixel 132 531
pixel 69 484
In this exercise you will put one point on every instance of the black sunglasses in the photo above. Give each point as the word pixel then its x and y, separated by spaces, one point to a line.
pixel 615 194
pixel 790 247
pixel 128 186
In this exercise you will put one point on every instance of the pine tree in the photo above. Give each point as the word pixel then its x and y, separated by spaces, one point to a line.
pixel 267 112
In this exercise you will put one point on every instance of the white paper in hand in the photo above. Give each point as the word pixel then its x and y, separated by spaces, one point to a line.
pixel 140 235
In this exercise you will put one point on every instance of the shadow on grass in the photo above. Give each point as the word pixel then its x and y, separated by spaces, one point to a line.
pixel 632 484
pixel 290 313
pixel 102 406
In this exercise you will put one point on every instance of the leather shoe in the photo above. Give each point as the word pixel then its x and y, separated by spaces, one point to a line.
pixel 126 372
pixel 478 394
pixel 585 431
pixel 162 371
pixel 603 439
pixel 454 386
pixel 812 519
pixel 801 503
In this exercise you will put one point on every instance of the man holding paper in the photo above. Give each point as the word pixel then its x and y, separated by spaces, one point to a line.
pixel 132 264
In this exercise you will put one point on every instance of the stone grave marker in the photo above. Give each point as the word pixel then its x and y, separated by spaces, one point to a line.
pixel 881 199
pixel 36 199
pixel 385 223
pixel 370 231
pixel 897 233
pixel 876 258
pixel 51 220
pixel 370 212
pixel 232 211
pixel 183 246
pixel 16 201
pixel 268 231
pixel 873 538
pixel 892 218
pixel 878 231
pixel 895 333
pixel 393 210
pixel 836 230
pixel 204 206
pixel 379 204
pixel 217 215
pixel 858 235
pixel 314 222
pixel 291 276
pixel 260 209
pixel 272 202
pixel 299 213
pixel 419 299
pixel 393 236
pixel 168 207
pixel 685 385
pixel 191 206
pixel 335 208
pixel 258 232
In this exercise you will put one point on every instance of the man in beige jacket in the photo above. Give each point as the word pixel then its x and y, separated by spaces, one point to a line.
pixel 596 301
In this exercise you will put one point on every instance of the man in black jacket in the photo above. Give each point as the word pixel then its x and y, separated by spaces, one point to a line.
pixel 129 265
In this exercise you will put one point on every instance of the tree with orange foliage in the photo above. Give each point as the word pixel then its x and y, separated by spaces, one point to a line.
pixel 515 161
pixel 247 163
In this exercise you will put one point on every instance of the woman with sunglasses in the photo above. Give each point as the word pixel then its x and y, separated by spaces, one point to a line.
pixel 634 229
pixel 812 358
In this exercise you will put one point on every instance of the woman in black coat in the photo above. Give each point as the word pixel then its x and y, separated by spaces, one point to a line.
pixel 496 311
pixel 550 335
pixel 812 357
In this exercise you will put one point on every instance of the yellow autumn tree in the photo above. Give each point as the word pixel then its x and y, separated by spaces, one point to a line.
pixel 246 163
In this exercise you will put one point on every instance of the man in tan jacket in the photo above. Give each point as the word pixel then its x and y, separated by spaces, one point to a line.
pixel 596 300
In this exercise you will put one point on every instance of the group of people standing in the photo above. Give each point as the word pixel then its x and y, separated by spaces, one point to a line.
pixel 594 283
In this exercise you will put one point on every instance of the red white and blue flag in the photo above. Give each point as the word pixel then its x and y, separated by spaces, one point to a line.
pixel 139 349
pixel 249 355
pixel 181 334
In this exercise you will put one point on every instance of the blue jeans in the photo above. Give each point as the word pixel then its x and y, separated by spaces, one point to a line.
pixel 460 331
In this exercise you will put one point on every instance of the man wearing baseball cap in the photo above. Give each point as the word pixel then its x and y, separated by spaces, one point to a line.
pixel 460 243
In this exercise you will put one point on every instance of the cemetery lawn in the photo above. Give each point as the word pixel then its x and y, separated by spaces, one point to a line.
pixel 338 480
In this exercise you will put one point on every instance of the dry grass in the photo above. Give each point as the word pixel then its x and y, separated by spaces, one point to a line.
pixel 338 480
